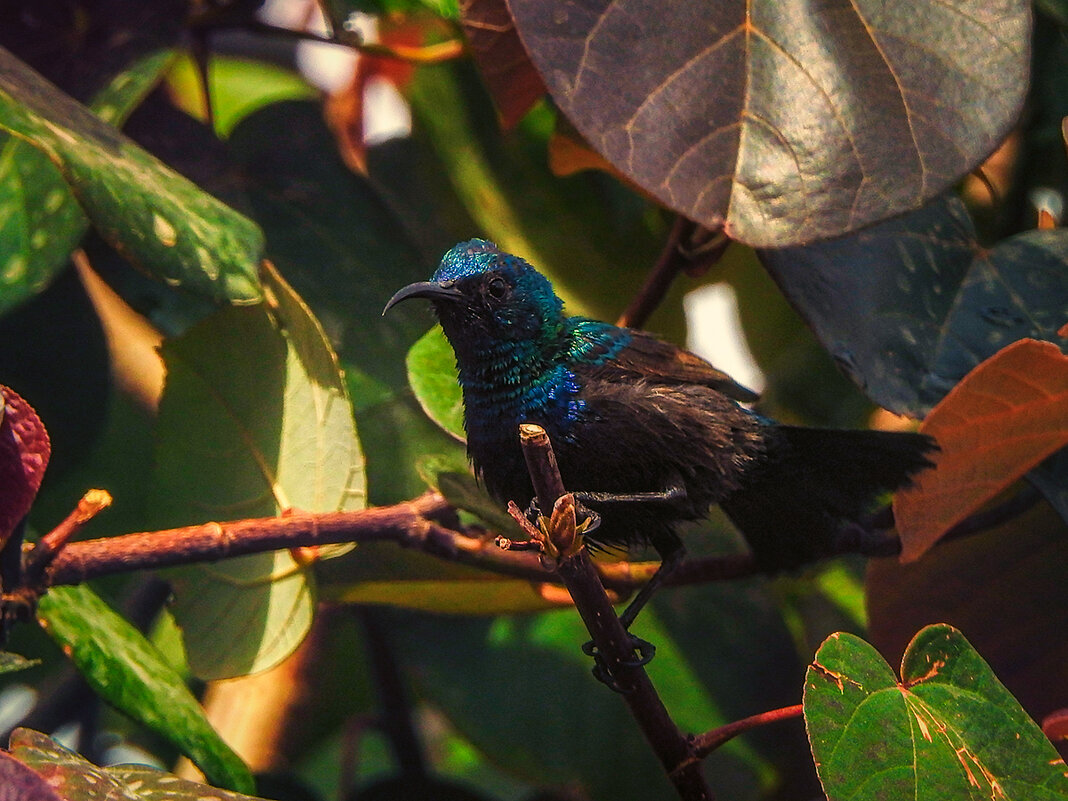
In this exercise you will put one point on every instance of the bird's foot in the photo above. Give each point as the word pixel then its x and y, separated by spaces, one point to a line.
pixel 643 650
pixel 588 520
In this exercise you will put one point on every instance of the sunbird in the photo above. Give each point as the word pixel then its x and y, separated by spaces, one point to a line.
pixel 647 435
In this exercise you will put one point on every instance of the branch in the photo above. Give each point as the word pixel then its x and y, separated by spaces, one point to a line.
pixel 614 644
pixel 711 740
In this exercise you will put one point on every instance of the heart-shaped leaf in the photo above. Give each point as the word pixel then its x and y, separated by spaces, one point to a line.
pixel 24 452
pixel 785 122
pixel 948 730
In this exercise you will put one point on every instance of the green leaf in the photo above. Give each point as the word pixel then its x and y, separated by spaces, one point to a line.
pixel 783 121
pixel 253 421
pixel 123 668
pixel 908 307
pixel 77 779
pixel 432 376
pixel 157 219
pixel 949 730
pixel 42 222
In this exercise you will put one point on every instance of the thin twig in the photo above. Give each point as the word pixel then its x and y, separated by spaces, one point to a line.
pixel 658 282
pixel 614 645
pixel 708 742
pixel 44 552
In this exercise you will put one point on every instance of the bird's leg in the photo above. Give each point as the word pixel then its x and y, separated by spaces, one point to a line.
pixel 671 556
pixel 670 495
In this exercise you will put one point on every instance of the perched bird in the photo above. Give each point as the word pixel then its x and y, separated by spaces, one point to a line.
pixel 645 433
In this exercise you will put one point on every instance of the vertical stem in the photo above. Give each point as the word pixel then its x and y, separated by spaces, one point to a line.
pixel 614 644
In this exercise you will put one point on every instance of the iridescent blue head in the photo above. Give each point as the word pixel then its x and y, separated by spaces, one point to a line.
pixel 484 296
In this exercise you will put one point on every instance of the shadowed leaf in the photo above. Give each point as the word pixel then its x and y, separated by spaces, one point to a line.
pixel 511 79
pixel 1005 417
pixel 24 453
pixel 908 307
pixel 948 730
pixel 785 122
pixel 18 782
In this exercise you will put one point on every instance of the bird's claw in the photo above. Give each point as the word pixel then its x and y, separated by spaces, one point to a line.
pixel 644 652
pixel 588 520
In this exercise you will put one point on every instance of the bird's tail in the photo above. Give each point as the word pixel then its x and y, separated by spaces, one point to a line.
pixel 810 498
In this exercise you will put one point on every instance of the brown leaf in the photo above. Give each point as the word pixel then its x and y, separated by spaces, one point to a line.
pixel 24 452
pixel 1005 589
pixel 509 74
pixel 1002 419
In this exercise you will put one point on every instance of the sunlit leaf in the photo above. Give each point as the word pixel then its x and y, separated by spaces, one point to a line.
pixel 432 375
pixel 785 122
pixel 1005 417
pixel 157 219
pixel 948 730
pixel 123 668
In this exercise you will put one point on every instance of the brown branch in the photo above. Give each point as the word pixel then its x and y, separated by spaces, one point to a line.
pixel 658 282
pixel 708 742
pixel 44 552
pixel 614 645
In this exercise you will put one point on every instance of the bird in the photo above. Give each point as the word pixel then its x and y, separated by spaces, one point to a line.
pixel 646 434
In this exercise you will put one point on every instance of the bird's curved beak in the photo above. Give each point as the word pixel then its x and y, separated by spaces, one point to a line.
pixel 432 290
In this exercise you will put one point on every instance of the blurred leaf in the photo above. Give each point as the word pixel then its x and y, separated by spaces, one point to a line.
pixel 949 730
pixel 21 783
pixel 124 669
pixel 238 88
pixel 783 122
pixel 908 307
pixel 341 9
pixel 432 376
pixel 528 701
pixel 77 779
pixel 1003 587
pixel 12 663
pixel 157 219
pixel 510 77
pixel 42 221
pixel 1006 416
pixel 24 452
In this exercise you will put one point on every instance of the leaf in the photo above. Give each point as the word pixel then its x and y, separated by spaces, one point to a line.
pixel 948 730
pixel 19 782
pixel 253 421
pixel 432 376
pixel 24 453
pixel 511 79
pixel 12 663
pixel 784 122
pixel 77 779
pixel 157 219
pixel 42 222
pixel 128 672
pixel 908 307
pixel 1005 417
pixel 1004 586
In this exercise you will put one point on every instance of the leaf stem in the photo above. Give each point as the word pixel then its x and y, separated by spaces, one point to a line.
pixel 711 740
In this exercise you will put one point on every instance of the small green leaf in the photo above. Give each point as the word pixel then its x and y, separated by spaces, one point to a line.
pixel 123 668
pixel 948 730
pixel 156 218
pixel 12 663
pixel 77 779
pixel 432 376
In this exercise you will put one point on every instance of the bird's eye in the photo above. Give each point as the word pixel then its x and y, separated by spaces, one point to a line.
pixel 497 288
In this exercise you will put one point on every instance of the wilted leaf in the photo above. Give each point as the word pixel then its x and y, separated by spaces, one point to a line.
pixel 909 306
pixel 157 219
pixel 785 122
pixel 77 779
pixel 1005 587
pixel 1005 417
pixel 504 64
pixel 948 730
pixel 24 452
pixel 124 669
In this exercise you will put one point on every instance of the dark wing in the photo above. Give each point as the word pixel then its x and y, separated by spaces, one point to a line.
pixel 661 362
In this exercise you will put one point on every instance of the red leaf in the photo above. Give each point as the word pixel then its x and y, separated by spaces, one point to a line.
pixel 510 76
pixel 18 781
pixel 1002 419
pixel 24 452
